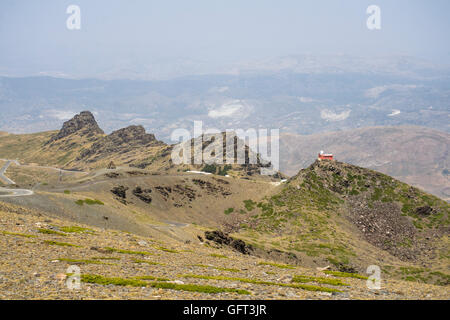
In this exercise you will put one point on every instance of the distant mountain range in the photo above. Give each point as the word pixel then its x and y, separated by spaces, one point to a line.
pixel 297 94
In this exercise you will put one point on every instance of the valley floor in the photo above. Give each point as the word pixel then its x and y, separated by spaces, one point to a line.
pixel 36 251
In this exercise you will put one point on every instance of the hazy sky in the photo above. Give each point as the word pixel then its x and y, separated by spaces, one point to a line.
pixel 129 34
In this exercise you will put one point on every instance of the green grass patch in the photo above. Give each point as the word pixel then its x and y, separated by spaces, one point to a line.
pixel 228 211
pixel 277 265
pixel 216 255
pixel 66 191
pixel 224 171
pixel 150 278
pixel 97 279
pixel 345 274
pixel 19 234
pixel 254 281
pixel 49 231
pixel 197 288
pixel 249 205
pixel 167 250
pixel 137 282
pixel 75 229
pixel 210 168
pixel 61 244
pixel 89 202
pixel 304 279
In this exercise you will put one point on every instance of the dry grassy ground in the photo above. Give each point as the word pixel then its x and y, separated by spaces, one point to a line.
pixel 36 251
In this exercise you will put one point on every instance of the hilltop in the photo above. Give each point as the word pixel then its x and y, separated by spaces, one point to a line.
pixel 348 217
pixel 412 154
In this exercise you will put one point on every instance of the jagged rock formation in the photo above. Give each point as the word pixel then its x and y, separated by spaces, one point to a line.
pixel 120 142
pixel 222 152
pixel 83 124
pixel 82 145
pixel 131 136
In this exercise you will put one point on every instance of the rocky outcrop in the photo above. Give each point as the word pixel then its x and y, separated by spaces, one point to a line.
pixel 223 239
pixel 121 141
pixel 143 194
pixel 83 124
pixel 132 135
pixel 224 151
pixel 389 214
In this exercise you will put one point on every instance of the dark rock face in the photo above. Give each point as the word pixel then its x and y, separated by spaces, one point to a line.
pixel 424 211
pixel 121 141
pixel 134 135
pixel 218 237
pixel 84 124
pixel 120 191
pixel 240 246
pixel 142 194
pixel 221 238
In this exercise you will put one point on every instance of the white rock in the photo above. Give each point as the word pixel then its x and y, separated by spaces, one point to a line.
pixel 323 269
pixel 328 294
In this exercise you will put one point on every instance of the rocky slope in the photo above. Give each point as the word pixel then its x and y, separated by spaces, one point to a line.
pixel 349 217
pixel 83 124
pixel 415 155
pixel 41 256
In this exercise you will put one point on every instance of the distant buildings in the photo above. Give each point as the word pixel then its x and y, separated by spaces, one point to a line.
pixel 325 156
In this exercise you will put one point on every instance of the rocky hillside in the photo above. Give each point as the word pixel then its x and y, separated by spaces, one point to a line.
pixel 226 148
pixel 39 254
pixel 349 217
pixel 415 155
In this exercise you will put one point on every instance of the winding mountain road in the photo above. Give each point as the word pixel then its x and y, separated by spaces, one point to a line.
pixel 3 170
pixel 4 192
